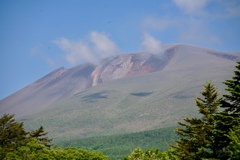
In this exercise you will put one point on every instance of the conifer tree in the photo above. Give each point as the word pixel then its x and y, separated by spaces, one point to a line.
pixel 223 125
pixel 228 119
pixel 11 132
pixel 196 135
pixel 234 146
pixel 40 135
pixel 231 101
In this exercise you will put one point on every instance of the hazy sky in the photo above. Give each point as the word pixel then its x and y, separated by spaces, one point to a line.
pixel 39 36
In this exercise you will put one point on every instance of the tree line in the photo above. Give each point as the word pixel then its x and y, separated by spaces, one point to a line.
pixel 118 146
pixel 17 144
pixel 215 135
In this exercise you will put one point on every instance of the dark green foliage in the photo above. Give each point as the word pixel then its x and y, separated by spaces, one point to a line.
pixel 40 135
pixel 231 101
pixel 223 125
pixel 11 133
pixel 118 146
pixel 2 153
pixel 35 150
pixel 16 143
pixel 151 154
pixel 30 150
pixel 230 117
pixel 234 146
pixel 197 137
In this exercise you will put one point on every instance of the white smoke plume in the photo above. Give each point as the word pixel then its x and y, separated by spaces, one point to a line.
pixel 152 45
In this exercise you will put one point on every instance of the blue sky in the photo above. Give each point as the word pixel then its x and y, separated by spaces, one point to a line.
pixel 40 36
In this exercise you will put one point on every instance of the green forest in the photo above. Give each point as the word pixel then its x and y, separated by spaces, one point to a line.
pixel 213 135
pixel 117 146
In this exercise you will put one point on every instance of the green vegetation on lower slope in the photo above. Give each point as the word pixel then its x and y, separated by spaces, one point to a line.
pixel 118 146
pixel 134 104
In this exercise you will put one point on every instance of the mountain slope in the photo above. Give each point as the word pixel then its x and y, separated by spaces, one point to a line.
pixel 59 84
pixel 64 83
pixel 138 103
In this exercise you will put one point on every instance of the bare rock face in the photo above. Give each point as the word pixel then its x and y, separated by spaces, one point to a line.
pixel 128 65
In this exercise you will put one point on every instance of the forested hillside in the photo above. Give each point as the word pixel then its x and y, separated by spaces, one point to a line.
pixel 118 146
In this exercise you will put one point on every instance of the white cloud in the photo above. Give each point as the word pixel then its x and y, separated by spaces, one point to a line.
pixel 102 44
pixel 152 45
pixel 222 8
pixel 75 51
pixel 228 9
pixel 160 23
pixel 188 30
pixel 191 6
pixel 95 47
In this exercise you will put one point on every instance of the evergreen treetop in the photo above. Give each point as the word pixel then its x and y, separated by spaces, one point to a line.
pixel 11 132
pixel 231 101
pixel 196 135
pixel 40 135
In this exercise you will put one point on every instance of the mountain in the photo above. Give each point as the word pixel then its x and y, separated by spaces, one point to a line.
pixel 64 83
pixel 60 84
pixel 122 94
